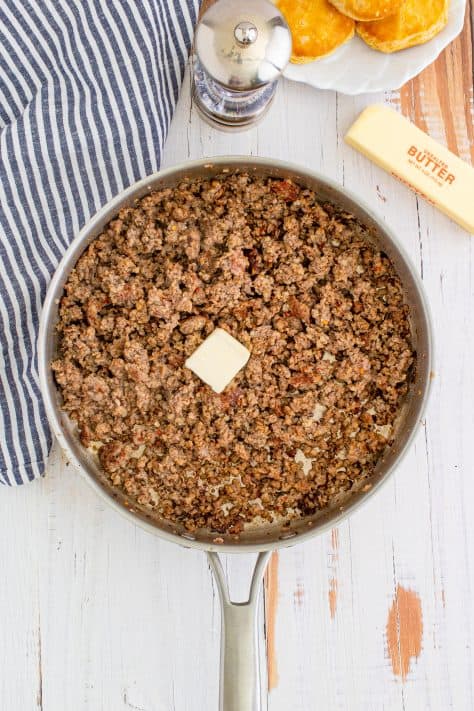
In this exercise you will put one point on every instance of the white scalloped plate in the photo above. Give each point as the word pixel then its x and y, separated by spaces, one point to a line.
pixel 355 68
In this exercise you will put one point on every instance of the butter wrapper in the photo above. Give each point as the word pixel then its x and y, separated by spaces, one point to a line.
pixel 409 154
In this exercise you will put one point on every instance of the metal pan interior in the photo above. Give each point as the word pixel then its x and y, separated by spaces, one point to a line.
pixel 264 536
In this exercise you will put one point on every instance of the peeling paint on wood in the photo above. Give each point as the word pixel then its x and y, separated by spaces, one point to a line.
pixel 271 605
pixel 205 4
pixel 299 593
pixel 404 631
pixel 440 100
pixel 333 584
pixel 332 596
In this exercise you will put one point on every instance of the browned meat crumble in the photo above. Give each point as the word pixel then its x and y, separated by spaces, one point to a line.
pixel 300 285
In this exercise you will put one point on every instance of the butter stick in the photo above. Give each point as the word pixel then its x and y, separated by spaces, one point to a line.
pixel 427 167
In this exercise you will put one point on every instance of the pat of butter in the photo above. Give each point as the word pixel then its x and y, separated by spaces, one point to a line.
pixel 218 359
pixel 427 167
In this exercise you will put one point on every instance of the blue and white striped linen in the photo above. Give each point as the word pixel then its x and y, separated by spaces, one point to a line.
pixel 87 91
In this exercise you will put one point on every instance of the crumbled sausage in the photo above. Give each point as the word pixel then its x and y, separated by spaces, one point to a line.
pixel 294 280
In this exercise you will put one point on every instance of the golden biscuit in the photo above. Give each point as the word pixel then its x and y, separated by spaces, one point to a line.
pixel 416 22
pixel 317 28
pixel 365 10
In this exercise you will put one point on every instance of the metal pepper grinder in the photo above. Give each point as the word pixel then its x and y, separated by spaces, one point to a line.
pixel 241 48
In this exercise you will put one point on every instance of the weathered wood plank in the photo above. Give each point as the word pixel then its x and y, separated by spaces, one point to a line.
pixel 440 100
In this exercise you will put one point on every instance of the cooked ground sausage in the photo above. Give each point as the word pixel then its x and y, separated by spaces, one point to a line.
pixel 300 285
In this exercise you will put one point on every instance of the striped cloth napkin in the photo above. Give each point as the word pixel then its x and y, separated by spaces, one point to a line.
pixel 87 91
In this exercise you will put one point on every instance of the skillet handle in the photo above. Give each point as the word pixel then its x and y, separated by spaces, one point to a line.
pixel 240 682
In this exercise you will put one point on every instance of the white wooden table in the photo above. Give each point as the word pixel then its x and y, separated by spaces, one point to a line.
pixel 97 615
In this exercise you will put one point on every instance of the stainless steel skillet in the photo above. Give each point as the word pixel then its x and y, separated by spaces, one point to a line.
pixel 239 663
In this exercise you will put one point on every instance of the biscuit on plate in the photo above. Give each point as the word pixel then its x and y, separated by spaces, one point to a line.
pixel 365 10
pixel 317 28
pixel 416 22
